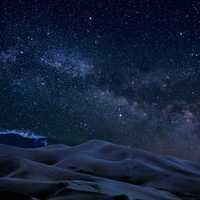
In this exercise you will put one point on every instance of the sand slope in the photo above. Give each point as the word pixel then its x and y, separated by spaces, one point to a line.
pixel 95 170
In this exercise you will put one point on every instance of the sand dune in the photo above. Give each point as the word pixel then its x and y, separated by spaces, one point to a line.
pixel 95 170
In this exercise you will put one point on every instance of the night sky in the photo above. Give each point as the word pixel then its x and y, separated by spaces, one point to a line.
pixel 126 71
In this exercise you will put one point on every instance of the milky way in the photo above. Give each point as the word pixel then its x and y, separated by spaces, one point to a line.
pixel 125 71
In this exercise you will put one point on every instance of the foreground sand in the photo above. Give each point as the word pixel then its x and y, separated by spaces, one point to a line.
pixel 95 170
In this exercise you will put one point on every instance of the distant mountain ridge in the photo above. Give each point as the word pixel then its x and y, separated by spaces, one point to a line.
pixel 25 139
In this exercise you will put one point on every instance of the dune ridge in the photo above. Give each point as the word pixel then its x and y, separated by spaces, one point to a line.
pixel 95 170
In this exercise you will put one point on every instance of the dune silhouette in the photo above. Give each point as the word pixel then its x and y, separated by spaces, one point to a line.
pixel 95 170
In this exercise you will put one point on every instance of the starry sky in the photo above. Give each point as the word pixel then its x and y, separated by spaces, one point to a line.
pixel 127 71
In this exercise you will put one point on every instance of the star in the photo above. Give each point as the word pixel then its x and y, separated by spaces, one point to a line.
pixel 120 115
pixel 181 33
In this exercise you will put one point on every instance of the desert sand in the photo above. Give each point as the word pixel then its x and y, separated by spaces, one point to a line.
pixel 96 170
